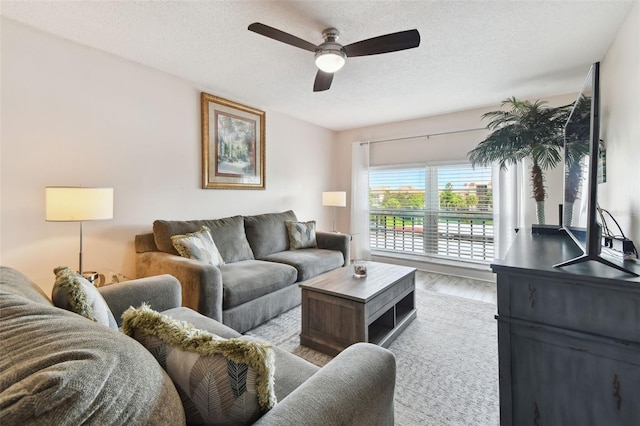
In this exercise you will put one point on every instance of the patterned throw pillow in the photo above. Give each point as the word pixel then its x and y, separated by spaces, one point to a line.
pixel 74 293
pixel 301 234
pixel 199 246
pixel 220 381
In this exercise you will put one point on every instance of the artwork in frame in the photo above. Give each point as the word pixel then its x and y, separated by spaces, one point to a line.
pixel 233 144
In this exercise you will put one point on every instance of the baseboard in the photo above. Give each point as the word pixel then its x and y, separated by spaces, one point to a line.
pixel 482 273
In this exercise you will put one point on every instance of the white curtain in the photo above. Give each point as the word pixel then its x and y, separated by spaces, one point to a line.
pixel 507 206
pixel 360 200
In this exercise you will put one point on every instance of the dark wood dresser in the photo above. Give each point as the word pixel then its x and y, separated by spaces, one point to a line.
pixel 568 338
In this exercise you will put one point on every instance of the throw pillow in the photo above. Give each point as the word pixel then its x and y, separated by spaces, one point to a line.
pixel 301 234
pixel 220 381
pixel 199 246
pixel 74 293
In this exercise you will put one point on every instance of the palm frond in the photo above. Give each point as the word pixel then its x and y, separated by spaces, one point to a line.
pixel 525 129
pixel 503 147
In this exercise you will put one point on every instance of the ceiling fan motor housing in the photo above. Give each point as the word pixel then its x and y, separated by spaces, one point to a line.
pixel 330 55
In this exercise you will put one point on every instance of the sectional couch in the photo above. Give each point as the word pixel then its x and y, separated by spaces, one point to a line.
pixel 259 277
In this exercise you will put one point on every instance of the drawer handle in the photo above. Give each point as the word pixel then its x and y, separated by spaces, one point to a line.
pixel 616 390
pixel 532 295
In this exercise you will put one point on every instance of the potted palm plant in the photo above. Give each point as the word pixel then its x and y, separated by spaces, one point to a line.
pixel 527 130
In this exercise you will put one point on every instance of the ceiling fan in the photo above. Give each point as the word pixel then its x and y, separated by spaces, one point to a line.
pixel 331 56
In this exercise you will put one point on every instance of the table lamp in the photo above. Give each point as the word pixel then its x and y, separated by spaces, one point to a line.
pixel 334 199
pixel 78 204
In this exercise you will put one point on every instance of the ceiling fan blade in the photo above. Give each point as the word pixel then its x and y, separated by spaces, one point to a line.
pixel 384 44
pixel 281 36
pixel 323 81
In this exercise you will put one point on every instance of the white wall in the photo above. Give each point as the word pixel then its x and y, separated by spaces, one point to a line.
pixel 77 116
pixel 620 126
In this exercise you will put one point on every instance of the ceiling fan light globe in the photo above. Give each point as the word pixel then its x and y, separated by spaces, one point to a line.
pixel 330 61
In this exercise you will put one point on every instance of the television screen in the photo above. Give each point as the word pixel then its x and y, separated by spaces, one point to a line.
pixel 581 155
pixel 577 145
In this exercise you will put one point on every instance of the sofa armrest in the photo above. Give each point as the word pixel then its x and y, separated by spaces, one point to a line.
pixel 161 292
pixel 201 282
pixel 355 388
pixel 335 241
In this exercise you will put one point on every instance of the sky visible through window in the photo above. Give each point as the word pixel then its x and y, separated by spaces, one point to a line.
pixel 395 178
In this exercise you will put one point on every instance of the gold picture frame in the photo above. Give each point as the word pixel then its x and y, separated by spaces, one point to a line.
pixel 233 144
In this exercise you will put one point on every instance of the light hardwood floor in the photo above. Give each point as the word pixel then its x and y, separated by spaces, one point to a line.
pixel 483 291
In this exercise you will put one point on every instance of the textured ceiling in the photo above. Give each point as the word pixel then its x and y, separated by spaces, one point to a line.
pixel 472 54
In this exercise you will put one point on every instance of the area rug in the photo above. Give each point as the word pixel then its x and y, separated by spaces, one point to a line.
pixel 447 360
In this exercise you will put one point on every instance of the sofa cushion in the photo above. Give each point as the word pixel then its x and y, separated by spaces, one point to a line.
pixel 267 232
pixel 247 280
pixel 301 234
pixel 309 262
pixel 199 246
pixel 58 368
pixel 74 293
pixel 220 381
pixel 228 234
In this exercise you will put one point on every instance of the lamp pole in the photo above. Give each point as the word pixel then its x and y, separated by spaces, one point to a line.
pixel 80 254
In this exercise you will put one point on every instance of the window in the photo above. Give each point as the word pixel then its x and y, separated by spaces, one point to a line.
pixel 443 211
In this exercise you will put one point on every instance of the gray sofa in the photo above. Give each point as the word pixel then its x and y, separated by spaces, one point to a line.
pixel 60 368
pixel 259 278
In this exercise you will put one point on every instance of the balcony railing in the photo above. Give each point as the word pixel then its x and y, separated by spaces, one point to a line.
pixel 461 235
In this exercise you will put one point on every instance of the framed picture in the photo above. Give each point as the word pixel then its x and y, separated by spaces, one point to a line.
pixel 233 144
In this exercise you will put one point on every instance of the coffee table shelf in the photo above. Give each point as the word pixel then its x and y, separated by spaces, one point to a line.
pixel 339 310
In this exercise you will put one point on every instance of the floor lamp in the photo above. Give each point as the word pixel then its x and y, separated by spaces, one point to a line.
pixel 78 204
pixel 334 199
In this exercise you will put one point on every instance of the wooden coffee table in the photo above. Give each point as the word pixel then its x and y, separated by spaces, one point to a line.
pixel 339 309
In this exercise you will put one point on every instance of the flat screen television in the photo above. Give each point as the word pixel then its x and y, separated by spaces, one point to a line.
pixel 581 144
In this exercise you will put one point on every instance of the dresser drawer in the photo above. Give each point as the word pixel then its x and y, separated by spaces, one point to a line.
pixel 549 368
pixel 590 308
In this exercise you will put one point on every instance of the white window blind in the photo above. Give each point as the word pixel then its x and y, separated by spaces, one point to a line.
pixel 434 210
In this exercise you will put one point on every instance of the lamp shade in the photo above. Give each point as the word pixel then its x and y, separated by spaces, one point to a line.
pixel 334 198
pixel 75 204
